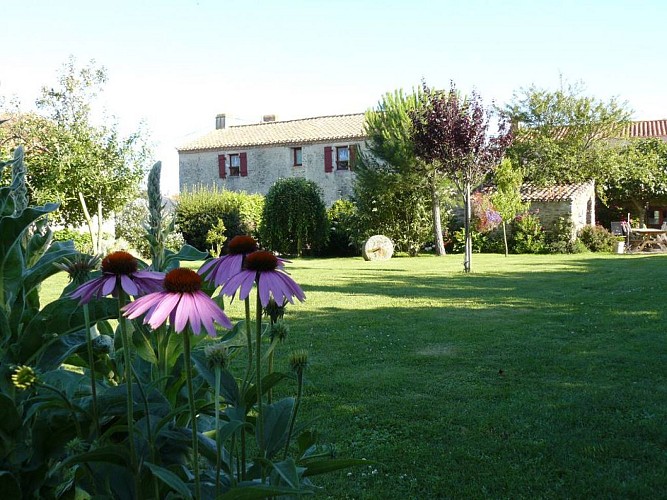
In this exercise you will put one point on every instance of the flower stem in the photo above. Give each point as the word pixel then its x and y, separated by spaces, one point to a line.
pixel 149 430
pixel 193 411
pixel 258 384
pixel 122 321
pixel 218 444
pixel 299 393
pixel 248 332
pixel 91 367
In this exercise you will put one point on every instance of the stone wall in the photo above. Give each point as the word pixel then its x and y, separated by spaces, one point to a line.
pixel 581 209
pixel 267 164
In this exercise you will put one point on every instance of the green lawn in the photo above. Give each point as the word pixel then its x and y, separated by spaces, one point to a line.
pixel 532 377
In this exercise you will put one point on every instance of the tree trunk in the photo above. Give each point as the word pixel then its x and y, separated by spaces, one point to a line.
pixel 505 239
pixel 437 223
pixel 468 247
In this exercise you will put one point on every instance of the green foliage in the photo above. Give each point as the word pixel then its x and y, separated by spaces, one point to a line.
pixel 343 226
pixel 597 238
pixel 216 238
pixel 131 225
pixel 563 135
pixel 527 234
pixel 199 210
pixel 68 154
pixel 294 217
pixel 82 241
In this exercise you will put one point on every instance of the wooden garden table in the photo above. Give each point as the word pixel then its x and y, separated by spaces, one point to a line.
pixel 648 239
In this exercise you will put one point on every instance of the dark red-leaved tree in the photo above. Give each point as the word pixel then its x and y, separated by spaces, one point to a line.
pixel 451 133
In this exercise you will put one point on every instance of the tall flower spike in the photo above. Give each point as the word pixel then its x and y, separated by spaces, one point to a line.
pixel 219 270
pixel 119 272
pixel 183 302
pixel 265 269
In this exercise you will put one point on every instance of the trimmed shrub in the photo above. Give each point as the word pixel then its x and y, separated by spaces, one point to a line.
pixel 294 217
pixel 200 210
pixel 82 241
pixel 597 239
pixel 527 234
pixel 342 229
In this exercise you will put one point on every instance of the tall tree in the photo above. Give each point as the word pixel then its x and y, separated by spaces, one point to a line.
pixel 640 176
pixel 451 133
pixel 67 154
pixel 389 131
pixel 564 135
pixel 507 198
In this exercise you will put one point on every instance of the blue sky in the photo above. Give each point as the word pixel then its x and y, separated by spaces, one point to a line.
pixel 176 64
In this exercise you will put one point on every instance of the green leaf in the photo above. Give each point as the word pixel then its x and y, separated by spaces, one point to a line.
pixel 287 471
pixel 255 491
pixel 276 422
pixel 113 454
pixel 61 349
pixel 187 253
pixel 142 343
pixel 9 485
pixel 268 382
pixel 44 267
pixel 170 479
pixel 10 420
pixel 333 464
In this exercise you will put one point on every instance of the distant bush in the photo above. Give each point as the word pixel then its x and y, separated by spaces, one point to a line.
pixel 342 230
pixel 200 210
pixel 560 238
pixel 294 217
pixel 130 227
pixel 597 238
pixel 527 234
pixel 82 241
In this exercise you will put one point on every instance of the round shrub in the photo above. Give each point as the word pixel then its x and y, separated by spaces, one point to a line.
pixel 597 238
pixel 528 234
pixel 294 217
pixel 342 223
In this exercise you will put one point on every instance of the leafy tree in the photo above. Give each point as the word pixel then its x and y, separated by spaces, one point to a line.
pixel 507 198
pixel 67 154
pixel 391 204
pixel 294 217
pixel 640 175
pixel 450 132
pixel 389 130
pixel 563 135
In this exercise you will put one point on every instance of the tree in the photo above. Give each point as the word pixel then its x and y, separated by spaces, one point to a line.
pixel 640 176
pixel 294 217
pixel 67 154
pixel 507 198
pixel 450 132
pixel 563 135
pixel 389 130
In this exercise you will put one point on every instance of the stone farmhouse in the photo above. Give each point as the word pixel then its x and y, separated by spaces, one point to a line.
pixel 252 158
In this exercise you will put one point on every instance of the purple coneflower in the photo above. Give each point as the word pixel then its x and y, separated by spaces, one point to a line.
pixel 182 301
pixel 119 272
pixel 219 270
pixel 264 268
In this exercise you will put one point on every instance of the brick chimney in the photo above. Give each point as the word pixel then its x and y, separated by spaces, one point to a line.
pixel 220 121
pixel 268 118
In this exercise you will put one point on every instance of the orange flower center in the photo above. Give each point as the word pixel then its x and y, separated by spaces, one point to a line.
pixel 261 260
pixel 242 244
pixel 119 263
pixel 182 280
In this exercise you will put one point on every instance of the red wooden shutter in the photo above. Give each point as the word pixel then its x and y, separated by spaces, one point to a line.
pixel 328 163
pixel 244 164
pixel 221 166
pixel 353 155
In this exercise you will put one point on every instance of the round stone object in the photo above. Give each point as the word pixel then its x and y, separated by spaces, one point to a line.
pixel 377 247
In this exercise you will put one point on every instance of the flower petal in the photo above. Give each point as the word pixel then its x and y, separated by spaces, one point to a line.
pixel 169 301
pixel 128 285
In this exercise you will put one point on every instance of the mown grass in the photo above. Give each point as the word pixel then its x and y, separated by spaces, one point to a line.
pixel 532 377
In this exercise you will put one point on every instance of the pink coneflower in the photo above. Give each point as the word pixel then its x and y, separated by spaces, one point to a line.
pixel 219 270
pixel 119 272
pixel 264 268
pixel 182 301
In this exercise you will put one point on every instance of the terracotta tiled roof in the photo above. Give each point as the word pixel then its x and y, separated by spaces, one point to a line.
pixel 557 192
pixel 323 128
pixel 646 128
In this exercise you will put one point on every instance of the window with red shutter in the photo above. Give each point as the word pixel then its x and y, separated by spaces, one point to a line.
pixel 328 160
pixel 221 166
pixel 244 164
pixel 353 155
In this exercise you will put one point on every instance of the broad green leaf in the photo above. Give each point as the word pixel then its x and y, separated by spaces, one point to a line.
pixel 268 382
pixel 170 479
pixel 142 343
pixel 187 253
pixel 60 349
pixel 113 454
pixel 276 422
pixel 256 491
pixel 333 464
pixel 288 471
pixel 44 267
